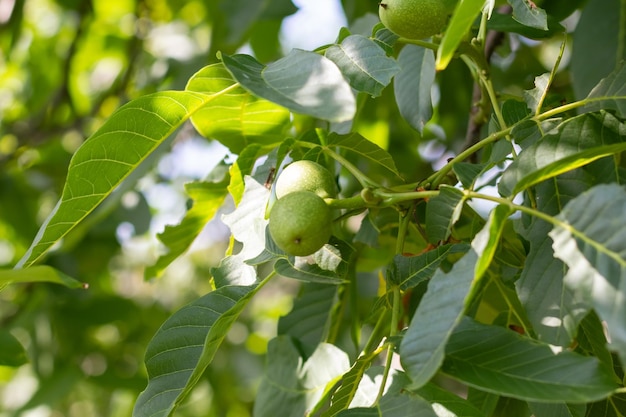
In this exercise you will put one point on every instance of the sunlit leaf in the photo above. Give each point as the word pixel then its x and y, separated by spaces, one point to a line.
pixel 236 118
pixel 304 82
pixel 412 86
pixel 207 198
pixel 501 361
pixel 461 22
pixel 364 63
pixel 591 242
pixel 350 381
pixel 185 345
pixel 574 143
pixel 110 155
pixel 291 385
pixel 40 273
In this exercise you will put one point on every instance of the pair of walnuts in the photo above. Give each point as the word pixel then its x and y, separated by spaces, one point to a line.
pixel 300 220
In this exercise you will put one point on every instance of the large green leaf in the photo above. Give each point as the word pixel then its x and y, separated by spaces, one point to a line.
pixel 574 143
pixel 461 22
pixel 308 321
pixel 595 47
pixel 292 386
pixel 412 86
pixel 591 242
pixel 440 310
pixel 364 63
pixel 40 273
pixel 304 82
pixel 553 309
pixel 110 155
pixel 503 362
pixel 185 345
pixel 237 118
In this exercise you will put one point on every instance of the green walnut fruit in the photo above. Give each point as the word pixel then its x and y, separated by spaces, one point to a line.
pixel 306 176
pixel 300 223
pixel 415 19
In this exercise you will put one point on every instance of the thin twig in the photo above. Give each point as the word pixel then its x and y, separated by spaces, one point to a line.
pixel 476 119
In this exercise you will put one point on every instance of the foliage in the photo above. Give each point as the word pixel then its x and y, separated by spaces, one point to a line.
pixel 477 265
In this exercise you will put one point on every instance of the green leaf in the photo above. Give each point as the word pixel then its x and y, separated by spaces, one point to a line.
pixel 529 14
pixel 40 273
pixel 552 308
pixel 395 405
pixel 501 361
pixel 292 386
pixel 557 410
pixel 534 98
pixel 595 47
pixel 364 149
pixel 409 271
pixel 364 63
pixel 350 381
pixel 610 93
pixel 442 212
pixel 412 86
pixel 304 82
pixel 590 240
pixel 451 402
pixel 110 155
pixel 185 345
pixel 467 172
pixel 574 143
pixel 12 352
pixel 236 118
pixel 486 241
pixel 614 406
pixel 308 320
pixel 439 312
pixel 461 22
pixel 506 23
pixel 304 271
pixel 207 198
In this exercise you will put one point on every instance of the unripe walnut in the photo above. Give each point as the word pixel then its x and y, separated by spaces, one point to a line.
pixel 415 19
